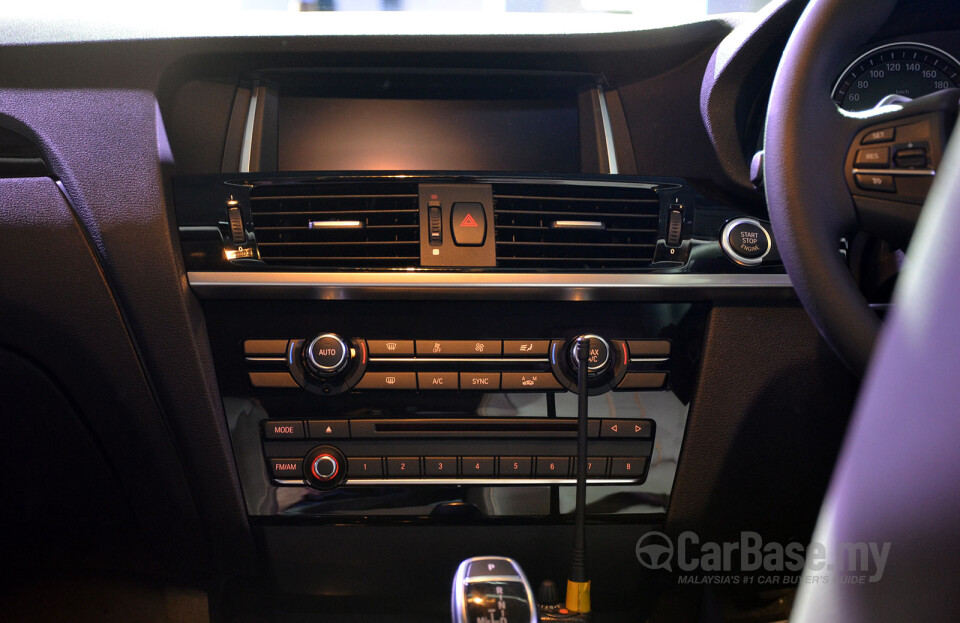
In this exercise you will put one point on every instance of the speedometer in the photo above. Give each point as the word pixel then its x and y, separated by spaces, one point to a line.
pixel 905 69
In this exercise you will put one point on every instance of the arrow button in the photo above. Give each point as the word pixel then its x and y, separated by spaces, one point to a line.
pixel 635 429
pixel 329 429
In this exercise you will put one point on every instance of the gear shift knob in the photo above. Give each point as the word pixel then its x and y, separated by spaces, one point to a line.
pixel 491 589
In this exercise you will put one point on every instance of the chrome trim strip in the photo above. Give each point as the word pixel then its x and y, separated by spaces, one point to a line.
pixel 900 172
pixel 335 225
pixel 578 225
pixel 426 359
pixel 574 286
pixel 608 133
pixel 492 578
pixel 246 147
pixel 266 359
pixel 649 359
pixel 470 481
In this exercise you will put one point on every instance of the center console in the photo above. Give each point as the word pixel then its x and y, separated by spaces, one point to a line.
pixel 396 269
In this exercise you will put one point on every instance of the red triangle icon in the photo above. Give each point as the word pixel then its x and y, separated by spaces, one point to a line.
pixel 468 221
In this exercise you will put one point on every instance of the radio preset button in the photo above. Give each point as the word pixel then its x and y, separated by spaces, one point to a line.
pixel 475 466
pixel 364 467
pixel 390 348
pixel 283 429
pixel 553 467
pixel 388 380
pixel 437 380
pixel 515 466
pixel 627 467
pixel 480 380
pixel 403 467
pixel 596 467
pixel 440 466
pixel 529 381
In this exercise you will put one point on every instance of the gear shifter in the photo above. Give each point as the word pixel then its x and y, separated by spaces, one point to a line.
pixel 491 589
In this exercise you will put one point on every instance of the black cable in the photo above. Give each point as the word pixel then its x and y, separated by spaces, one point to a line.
pixel 578 561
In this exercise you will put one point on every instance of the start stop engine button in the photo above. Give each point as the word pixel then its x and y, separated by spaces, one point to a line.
pixel 745 241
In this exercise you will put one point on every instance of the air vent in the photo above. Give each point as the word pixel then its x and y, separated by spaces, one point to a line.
pixel 566 227
pixel 351 226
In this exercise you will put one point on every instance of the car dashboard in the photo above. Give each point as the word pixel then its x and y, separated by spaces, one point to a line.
pixel 293 318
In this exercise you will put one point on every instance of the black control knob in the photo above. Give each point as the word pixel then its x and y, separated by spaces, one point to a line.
pixel 548 594
pixel 327 354
pixel 324 467
pixel 599 350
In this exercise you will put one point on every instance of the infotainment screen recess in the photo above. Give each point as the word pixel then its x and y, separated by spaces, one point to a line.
pixel 368 134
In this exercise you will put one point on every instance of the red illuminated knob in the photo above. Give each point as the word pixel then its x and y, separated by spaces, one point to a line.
pixel 325 467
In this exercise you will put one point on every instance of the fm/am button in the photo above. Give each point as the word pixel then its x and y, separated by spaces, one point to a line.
pixel 480 380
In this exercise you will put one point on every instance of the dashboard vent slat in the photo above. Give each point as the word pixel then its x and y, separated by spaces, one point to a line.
pixel 601 228
pixel 297 225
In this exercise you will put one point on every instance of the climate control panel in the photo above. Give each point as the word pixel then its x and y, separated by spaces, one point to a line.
pixel 328 364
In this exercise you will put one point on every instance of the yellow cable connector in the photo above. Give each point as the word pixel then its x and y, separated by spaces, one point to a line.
pixel 578 596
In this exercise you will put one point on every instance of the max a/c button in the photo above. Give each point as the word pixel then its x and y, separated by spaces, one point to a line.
pixel 276 429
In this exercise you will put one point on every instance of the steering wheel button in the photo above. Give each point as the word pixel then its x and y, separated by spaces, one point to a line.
pixel 879 136
pixel 907 158
pixel 873 158
pixel 876 182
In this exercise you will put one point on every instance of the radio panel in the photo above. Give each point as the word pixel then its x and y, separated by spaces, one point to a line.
pixel 423 451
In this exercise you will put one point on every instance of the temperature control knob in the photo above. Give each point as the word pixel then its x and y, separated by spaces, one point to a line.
pixel 327 354
pixel 599 356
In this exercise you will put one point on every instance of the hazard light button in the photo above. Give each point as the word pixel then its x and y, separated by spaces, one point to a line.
pixel 468 221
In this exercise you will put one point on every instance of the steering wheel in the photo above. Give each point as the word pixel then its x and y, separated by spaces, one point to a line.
pixel 819 188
